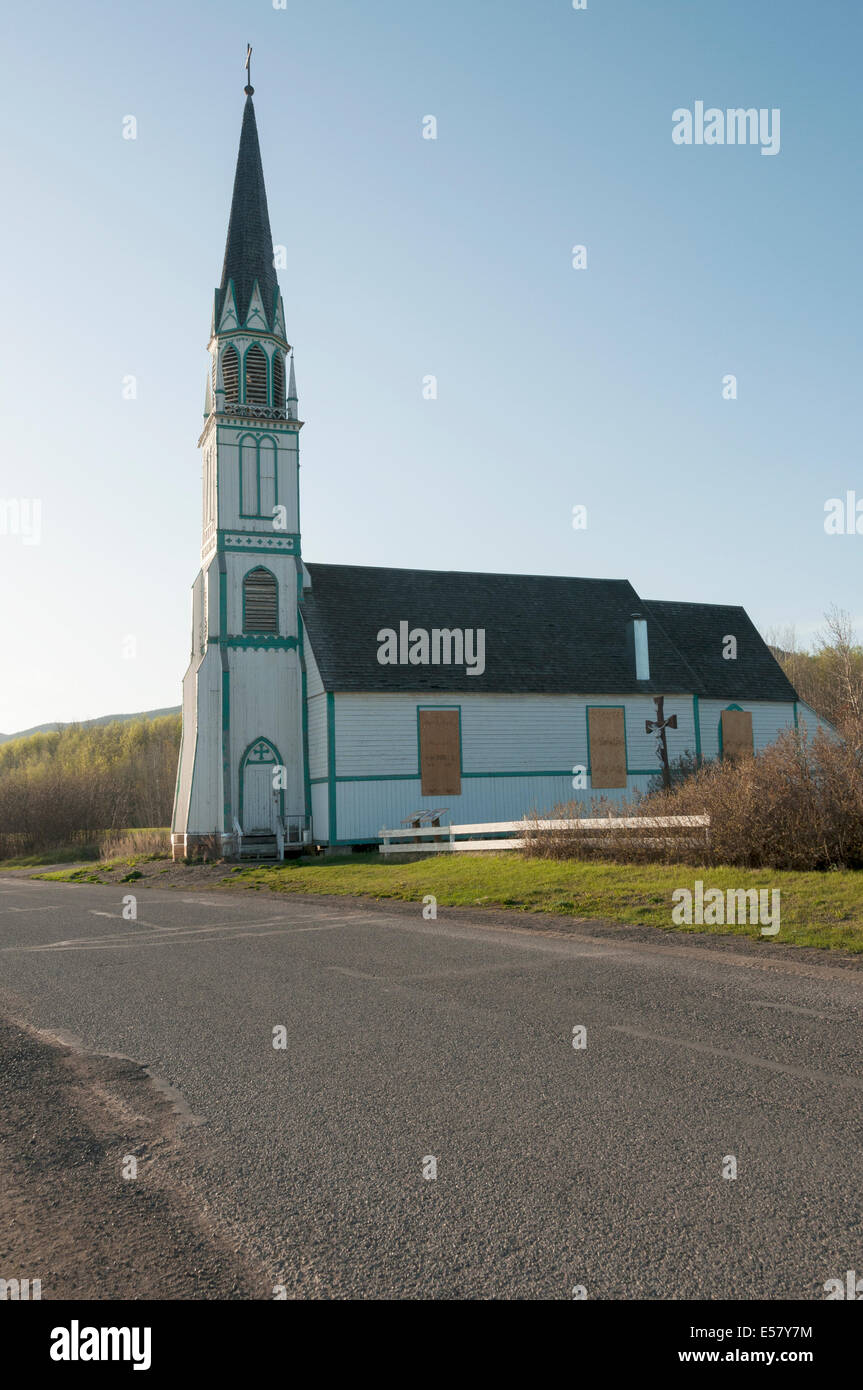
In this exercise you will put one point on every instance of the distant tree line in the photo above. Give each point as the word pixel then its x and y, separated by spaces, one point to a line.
pixel 829 677
pixel 71 785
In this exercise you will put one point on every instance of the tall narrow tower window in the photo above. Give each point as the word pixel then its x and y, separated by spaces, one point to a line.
pixel 231 374
pixel 260 602
pixel 267 476
pixel 256 376
pixel 279 382
pixel 249 477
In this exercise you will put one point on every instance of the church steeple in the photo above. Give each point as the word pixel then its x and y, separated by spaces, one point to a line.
pixel 249 245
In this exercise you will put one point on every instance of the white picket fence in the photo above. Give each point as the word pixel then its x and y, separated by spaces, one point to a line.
pixel 443 837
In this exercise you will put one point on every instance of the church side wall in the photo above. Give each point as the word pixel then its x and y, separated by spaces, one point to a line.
pixel 518 754
pixel 768 721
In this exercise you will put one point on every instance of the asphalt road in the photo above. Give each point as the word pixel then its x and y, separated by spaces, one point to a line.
pixel 557 1167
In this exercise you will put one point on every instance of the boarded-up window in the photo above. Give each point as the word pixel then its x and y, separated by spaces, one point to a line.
pixel 607 747
pixel 736 733
pixel 260 602
pixel 440 752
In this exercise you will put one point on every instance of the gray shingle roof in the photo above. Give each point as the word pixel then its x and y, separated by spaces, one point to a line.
pixel 249 245
pixel 544 635
pixel 700 629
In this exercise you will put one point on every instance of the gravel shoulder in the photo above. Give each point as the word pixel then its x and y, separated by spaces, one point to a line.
pixel 69 1125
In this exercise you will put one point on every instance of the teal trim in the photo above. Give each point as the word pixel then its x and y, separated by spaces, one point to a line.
pixel 460 747
pixel 226 699
pixel 276 762
pixel 307 790
pixel 587 710
pixel 331 765
pixel 265 542
pixel 223 601
pixel 226 747
pixel 225 335
pixel 796 721
pixel 415 776
pixel 262 641
pixel 258 438
pixel 696 715
pixel 278 605
pixel 380 777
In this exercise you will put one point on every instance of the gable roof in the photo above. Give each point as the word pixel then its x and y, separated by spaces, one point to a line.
pixel 701 629
pixel 543 635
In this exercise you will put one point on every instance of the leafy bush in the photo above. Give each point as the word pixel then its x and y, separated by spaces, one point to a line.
pixel 796 805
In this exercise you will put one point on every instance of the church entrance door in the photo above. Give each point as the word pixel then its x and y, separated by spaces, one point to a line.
pixel 260 802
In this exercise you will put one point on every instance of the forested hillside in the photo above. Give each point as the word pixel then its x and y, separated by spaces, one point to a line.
pixel 76 782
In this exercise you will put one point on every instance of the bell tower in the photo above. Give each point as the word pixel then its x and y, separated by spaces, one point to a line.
pixel 242 785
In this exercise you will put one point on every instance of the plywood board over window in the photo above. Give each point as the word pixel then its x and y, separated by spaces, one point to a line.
pixel 607 732
pixel 736 733
pixel 440 752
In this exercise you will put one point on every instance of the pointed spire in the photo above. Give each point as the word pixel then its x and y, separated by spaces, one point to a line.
pixel 249 245
pixel 292 393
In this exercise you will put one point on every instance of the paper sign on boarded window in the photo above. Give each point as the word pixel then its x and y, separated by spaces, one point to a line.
pixel 607 748
pixel 736 733
pixel 440 760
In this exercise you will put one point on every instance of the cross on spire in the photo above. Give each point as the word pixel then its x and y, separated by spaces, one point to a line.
pixel 249 90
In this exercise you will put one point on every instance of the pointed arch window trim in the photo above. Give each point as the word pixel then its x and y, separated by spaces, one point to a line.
pixel 229 352
pixel 252 348
pixel 269 361
pixel 251 756
pixel 255 486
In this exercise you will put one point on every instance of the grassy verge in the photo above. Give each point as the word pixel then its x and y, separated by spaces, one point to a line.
pixel 65 855
pixel 818 909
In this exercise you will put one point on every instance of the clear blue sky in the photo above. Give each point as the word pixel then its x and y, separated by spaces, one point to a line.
pixel 408 257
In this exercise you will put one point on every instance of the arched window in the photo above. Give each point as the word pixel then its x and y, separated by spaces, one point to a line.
pixel 231 374
pixel 279 381
pixel 260 601
pixel 258 476
pixel 256 376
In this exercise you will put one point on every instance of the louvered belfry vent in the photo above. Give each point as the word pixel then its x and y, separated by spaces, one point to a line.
pixel 260 602
pixel 231 374
pixel 256 376
pixel 279 382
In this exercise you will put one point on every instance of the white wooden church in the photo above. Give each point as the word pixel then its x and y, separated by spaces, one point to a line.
pixel 324 702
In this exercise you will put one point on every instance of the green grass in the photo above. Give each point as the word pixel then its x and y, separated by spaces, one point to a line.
pixel 66 855
pixel 818 909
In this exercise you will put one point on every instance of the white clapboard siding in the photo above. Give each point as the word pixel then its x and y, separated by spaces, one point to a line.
pixel 314 684
pixel 266 695
pixel 229 481
pixel 317 717
pixel 377 734
pixel 362 807
pixel 768 720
